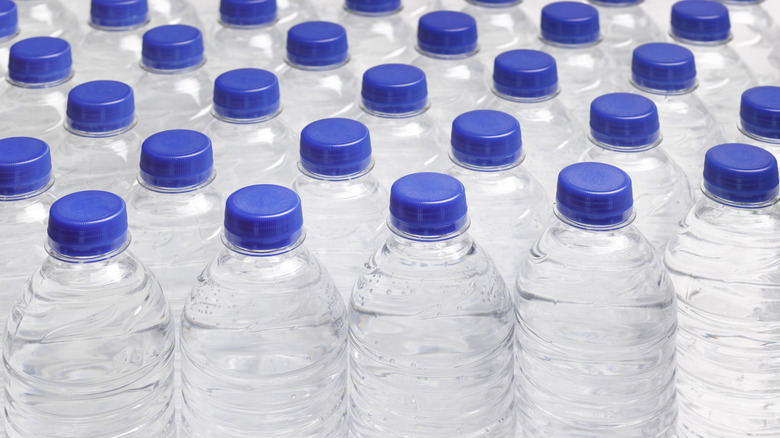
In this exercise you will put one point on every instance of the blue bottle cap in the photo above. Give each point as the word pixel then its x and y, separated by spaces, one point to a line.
pixel 119 13
pixel 100 106
pixel 486 138
pixel 570 23
pixel 700 20
pixel 447 33
pixel 759 112
pixel 247 12
pixel 25 165
pixel 428 204
pixel 663 66
pixel 246 94
pixel 394 89
pixel 317 44
pixel 595 194
pixel 373 6
pixel 624 119
pixel 39 60
pixel 175 159
pixel 263 217
pixel 172 47
pixel 740 173
pixel 335 147
pixel 9 19
pixel 526 74
pixel 87 224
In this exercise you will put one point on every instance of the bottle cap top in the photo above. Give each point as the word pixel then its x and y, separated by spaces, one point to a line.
pixel 663 66
pixel 428 204
pixel 100 106
pixel 247 12
pixel 39 60
pixel 595 194
pixel 246 93
pixel 570 23
pixel 119 13
pixel 263 217
pixel 87 224
pixel 525 74
pixel 9 18
pixel 176 159
pixel 740 173
pixel 335 147
pixel 759 111
pixel 172 47
pixel 700 20
pixel 624 119
pixel 447 33
pixel 25 165
pixel 317 44
pixel 394 89
pixel 373 6
pixel 486 138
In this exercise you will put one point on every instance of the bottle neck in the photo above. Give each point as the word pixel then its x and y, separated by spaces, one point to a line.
pixel 626 219
pixel 451 246
pixel 281 253
pixel 104 257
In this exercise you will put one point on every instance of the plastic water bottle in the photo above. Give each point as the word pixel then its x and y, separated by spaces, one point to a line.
pixel 316 82
pixel 624 132
pixel 174 92
pixel 703 27
pixel 344 204
pixel 570 32
pixel 111 49
pixel 723 261
pixel 596 318
pixel 39 78
pixel 405 136
pixel 624 26
pixel 264 334
pixel 89 344
pixel 666 74
pixel 414 9
pixel 292 12
pixel 47 18
pixel 508 207
pixel 430 324
pixel 525 85
pixel 457 81
pixel 760 118
pixel 173 12
pixel 755 37
pixel 9 33
pixel 502 26
pixel 252 142
pixel 101 147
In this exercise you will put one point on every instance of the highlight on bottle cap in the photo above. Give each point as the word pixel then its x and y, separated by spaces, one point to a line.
pixel 263 217
pixel 594 194
pixel 740 174
pixel 175 159
pixel 25 166
pixel 335 147
pixel 624 120
pixel 428 205
pixel 486 138
pixel 87 224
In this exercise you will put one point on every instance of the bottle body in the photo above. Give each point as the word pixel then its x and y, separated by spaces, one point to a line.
pixel 47 18
pixel 501 27
pixel 756 36
pixel 376 39
pixel 625 27
pixel 34 112
pixel 109 54
pixel 236 47
pixel 178 100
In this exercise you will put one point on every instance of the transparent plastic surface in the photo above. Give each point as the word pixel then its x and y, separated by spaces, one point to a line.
pixel 414 9
pixel 47 18
pixel 501 27
pixel 771 145
pixel 34 112
pixel 431 342
pixel 235 47
pixel 625 27
pixel 108 54
pixel 377 39
pixel 173 12
pixel 5 52
pixel 292 12
pixel 595 337
pixel 756 37
pixel 724 264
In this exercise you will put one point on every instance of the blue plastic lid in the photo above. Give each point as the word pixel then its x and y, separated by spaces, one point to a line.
pixel 594 194
pixel 25 165
pixel 394 89
pixel 663 66
pixel 247 12
pixel 246 93
pixel 486 138
pixel 9 18
pixel 39 60
pixel 373 6
pixel 335 147
pixel 87 224
pixel 317 44
pixel 119 13
pixel 570 23
pixel 700 20
pixel 177 158
pixel 100 106
pixel 428 204
pixel 740 173
pixel 624 119
pixel 447 33
pixel 525 74
pixel 172 47
pixel 759 112
pixel 263 217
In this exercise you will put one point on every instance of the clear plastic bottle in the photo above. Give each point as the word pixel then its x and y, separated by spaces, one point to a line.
pixel 9 33
pixel 624 132
pixel 164 12
pixel 316 82
pixel 292 12
pixel 724 264
pixel 39 78
pixel 414 9
pixel 430 324
pixel 508 207
pixel 101 147
pixel 405 136
pixel 345 204
pixel 47 18
pixel 625 25
pixel 759 116
pixel 596 319
pixel 525 86
pixel 89 343
pixel 252 142
pixel 502 26
pixel 264 336
pixel 756 37
pixel 457 79
pixel 666 74
pixel 174 92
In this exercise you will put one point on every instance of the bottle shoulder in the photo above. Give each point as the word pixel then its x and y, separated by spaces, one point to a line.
pixel 203 206
pixel 650 165
pixel 226 135
pixel 514 187
pixel 357 195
